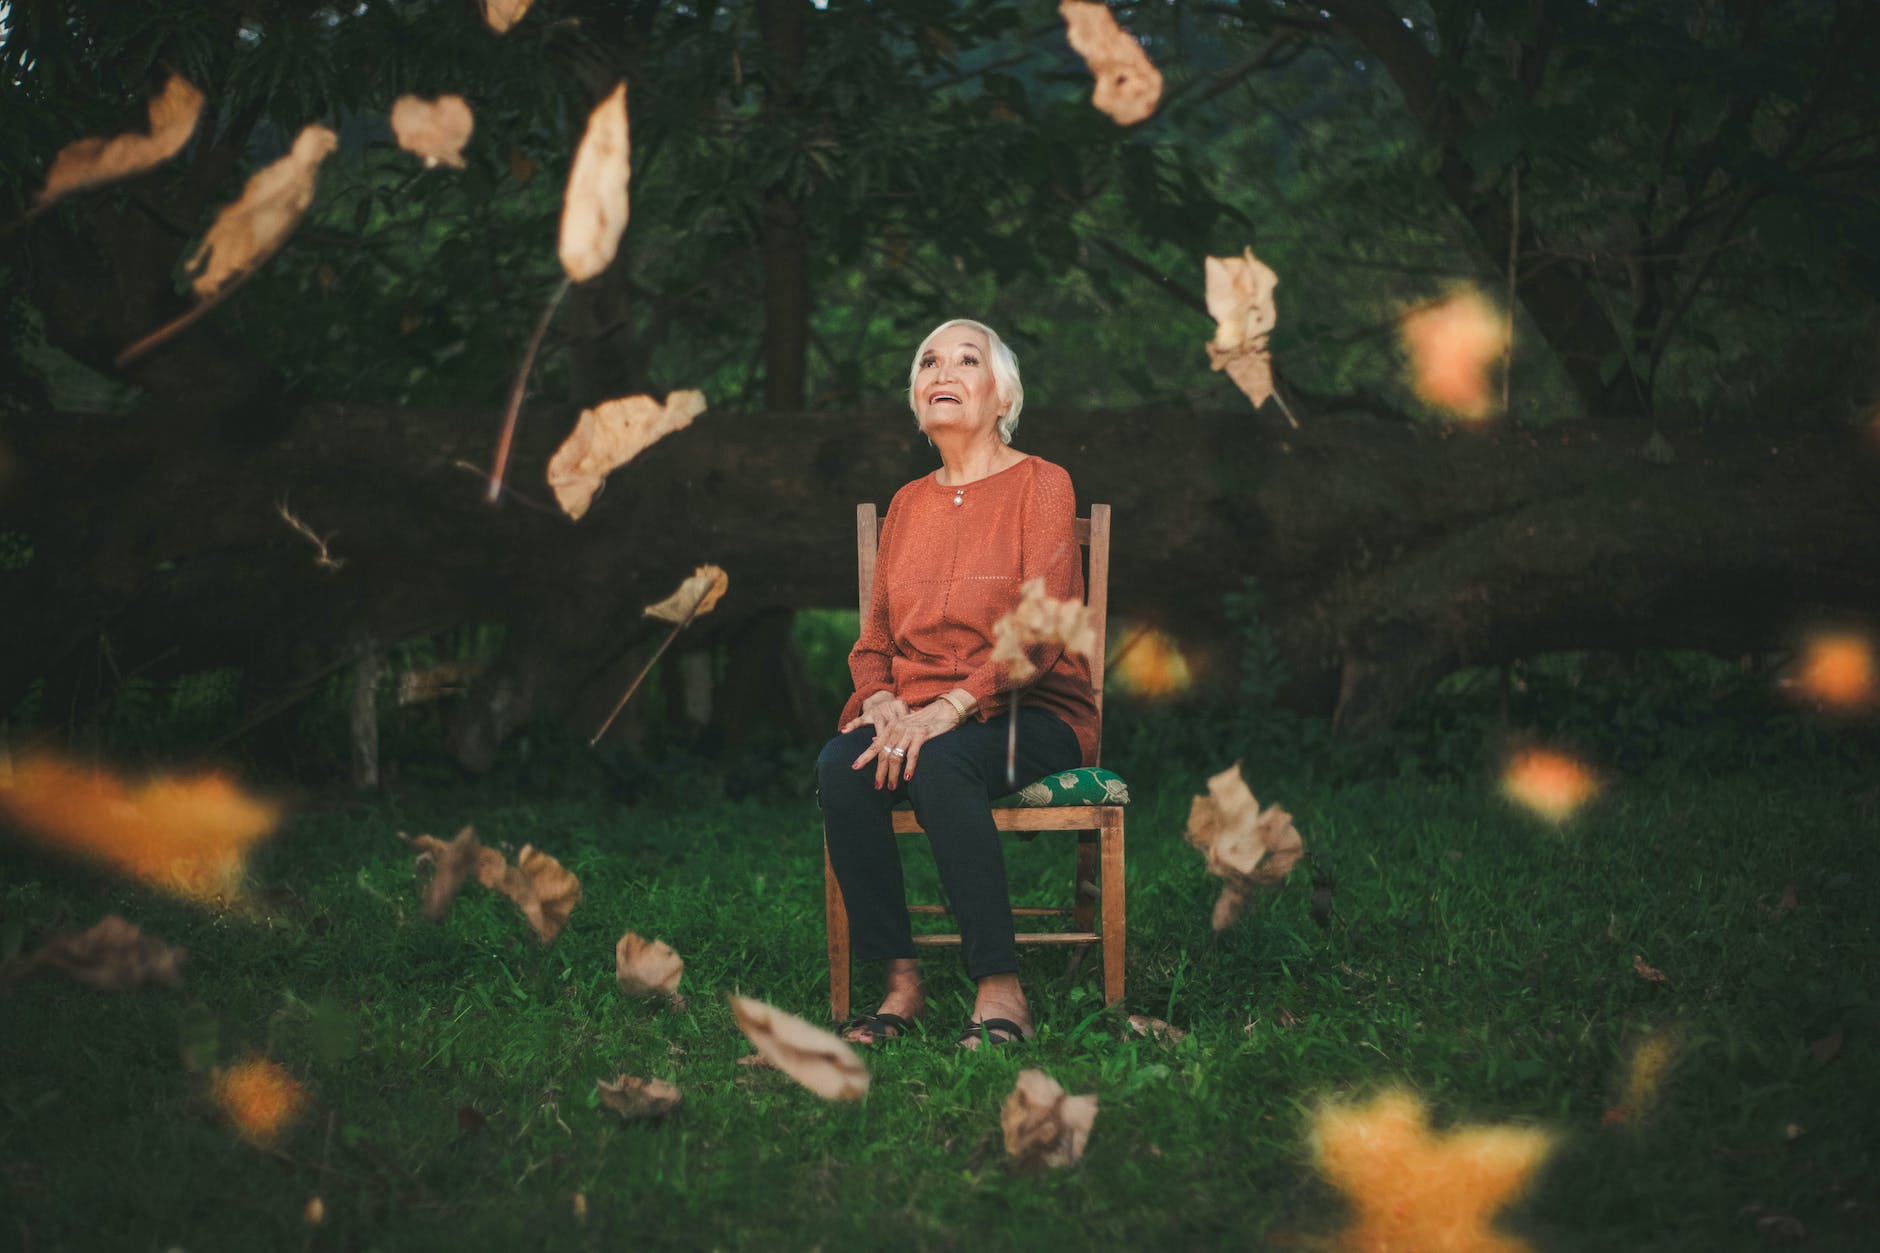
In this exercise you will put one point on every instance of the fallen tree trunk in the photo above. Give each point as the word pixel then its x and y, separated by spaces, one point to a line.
pixel 1386 555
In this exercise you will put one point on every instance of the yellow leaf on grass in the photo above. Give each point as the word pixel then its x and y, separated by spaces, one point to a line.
pixel 95 160
pixel 608 436
pixel 1240 300
pixel 594 208
pixel 259 1098
pixel 647 967
pixel 1414 1189
pixel 1042 1126
pixel 1036 621
pixel 1245 845
pixel 435 131
pixel 634 1098
pixel 187 835
pixel 114 955
pixel 813 1057
pixel 695 597
pixel 502 14
pixel 1550 784
pixel 253 229
pixel 1651 1060
pixel 1454 344
pixel 1128 84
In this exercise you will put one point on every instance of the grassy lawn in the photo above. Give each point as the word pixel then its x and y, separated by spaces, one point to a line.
pixel 1473 954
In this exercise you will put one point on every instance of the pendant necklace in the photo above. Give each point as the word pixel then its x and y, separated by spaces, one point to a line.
pixel 959 496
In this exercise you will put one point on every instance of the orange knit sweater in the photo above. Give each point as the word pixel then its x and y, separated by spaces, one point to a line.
pixel 947 571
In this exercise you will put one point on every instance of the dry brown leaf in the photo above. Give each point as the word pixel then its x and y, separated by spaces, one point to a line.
pixel 1245 845
pixel 1240 300
pixel 94 160
pixel 446 678
pixel 634 1098
pixel 315 1212
pixel 1128 84
pixel 502 14
pixel 1156 1029
pixel 594 208
pixel 1042 1126
pixel 1651 974
pixel 813 1057
pixel 554 891
pixel 541 887
pixel 1037 620
pixel 608 436
pixel 450 864
pixel 114 955
pixel 1837 669
pixel 251 230
pixel 696 597
pixel 434 131
pixel 648 967
pixel 259 1098
pixel 1453 346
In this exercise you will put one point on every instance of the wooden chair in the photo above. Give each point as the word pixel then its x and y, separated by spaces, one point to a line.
pixel 1099 828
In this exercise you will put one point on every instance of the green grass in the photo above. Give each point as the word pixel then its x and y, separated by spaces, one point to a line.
pixel 1474 955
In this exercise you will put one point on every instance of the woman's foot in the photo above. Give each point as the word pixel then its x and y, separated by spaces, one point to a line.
pixel 905 1000
pixel 1000 997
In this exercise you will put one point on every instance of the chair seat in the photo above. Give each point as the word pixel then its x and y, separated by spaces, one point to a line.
pixel 1086 785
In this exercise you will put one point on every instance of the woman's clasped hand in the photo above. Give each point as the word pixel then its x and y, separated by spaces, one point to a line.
pixel 899 733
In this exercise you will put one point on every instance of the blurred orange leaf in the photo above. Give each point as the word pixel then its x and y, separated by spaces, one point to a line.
pixel 813 1057
pixel 594 208
pixel 1128 84
pixel 1042 1126
pixel 189 836
pixel 94 160
pixel 1837 669
pixel 697 596
pixel 1150 664
pixel 1650 974
pixel 1039 620
pixel 648 968
pixel 1453 344
pixel 1245 845
pixel 1240 300
pixel 634 1098
pixel 114 955
pixel 1550 784
pixel 1650 1061
pixel 608 436
pixel 1414 1190
pixel 502 14
pixel 251 230
pixel 435 131
pixel 259 1098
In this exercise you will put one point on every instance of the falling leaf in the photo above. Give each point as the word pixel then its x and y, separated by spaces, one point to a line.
pixel 813 1057
pixel 1453 344
pixel 648 968
pixel 1550 784
pixel 1645 1071
pixel 1156 1029
pixel 608 436
pixel 1414 1190
pixel 1039 620
pixel 634 1098
pixel 1149 665
pixel 540 886
pixel 259 1098
pixel 95 160
pixel 1128 84
pixel 1837 669
pixel 696 597
pixel 187 835
pixel 594 208
pixel 1650 974
pixel 315 1213
pixel 580 1206
pixel 1042 1126
pixel 113 955
pixel 502 14
pixel 253 229
pixel 450 864
pixel 1240 300
pixel 1246 846
pixel 433 130
pixel 446 678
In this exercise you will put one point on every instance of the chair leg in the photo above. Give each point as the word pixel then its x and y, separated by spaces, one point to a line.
pixel 837 918
pixel 1113 924
pixel 1083 897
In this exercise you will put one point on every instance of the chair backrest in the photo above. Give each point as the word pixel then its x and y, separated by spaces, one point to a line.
pixel 1093 536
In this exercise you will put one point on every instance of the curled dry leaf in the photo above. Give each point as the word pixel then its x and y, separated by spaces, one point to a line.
pixel 1411 1189
pixel 113 955
pixel 450 864
pixel 540 886
pixel 1453 346
pixel 648 968
pixel 259 1098
pixel 1549 784
pixel 594 208
pixel 94 160
pixel 434 131
pixel 608 436
pixel 1042 1126
pixel 813 1057
pixel 1128 84
pixel 695 598
pixel 1156 1029
pixel 1038 620
pixel 189 836
pixel 252 229
pixel 1246 846
pixel 634 1098
pixel 1650 974
pixel 1240 300
pixel 551 894
pixel 500 15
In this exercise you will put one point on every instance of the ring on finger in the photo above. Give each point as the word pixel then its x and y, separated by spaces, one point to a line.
pixel 897 752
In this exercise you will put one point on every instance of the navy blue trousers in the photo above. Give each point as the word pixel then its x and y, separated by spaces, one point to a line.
pixel 957 777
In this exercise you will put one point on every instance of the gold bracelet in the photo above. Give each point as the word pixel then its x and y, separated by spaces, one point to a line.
pixel 958 708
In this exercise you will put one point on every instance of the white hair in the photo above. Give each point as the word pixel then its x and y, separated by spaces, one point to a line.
pixel 1004 372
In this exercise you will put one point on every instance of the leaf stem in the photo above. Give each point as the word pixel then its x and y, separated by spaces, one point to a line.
pixel 645 670
pixel 517 392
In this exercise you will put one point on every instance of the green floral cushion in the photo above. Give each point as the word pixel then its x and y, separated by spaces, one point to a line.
pixel 1086 785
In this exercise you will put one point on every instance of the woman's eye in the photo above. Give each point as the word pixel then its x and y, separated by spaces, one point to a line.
pixel 926 363
pixel 969 359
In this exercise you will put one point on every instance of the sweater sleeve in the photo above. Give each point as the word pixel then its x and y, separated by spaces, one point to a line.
pixel 871 661
pixel 1049 551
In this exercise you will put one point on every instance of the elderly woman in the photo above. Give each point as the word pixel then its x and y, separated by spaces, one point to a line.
pixel 929 718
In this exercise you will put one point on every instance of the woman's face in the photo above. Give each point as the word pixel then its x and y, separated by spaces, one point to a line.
pixel 953 384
